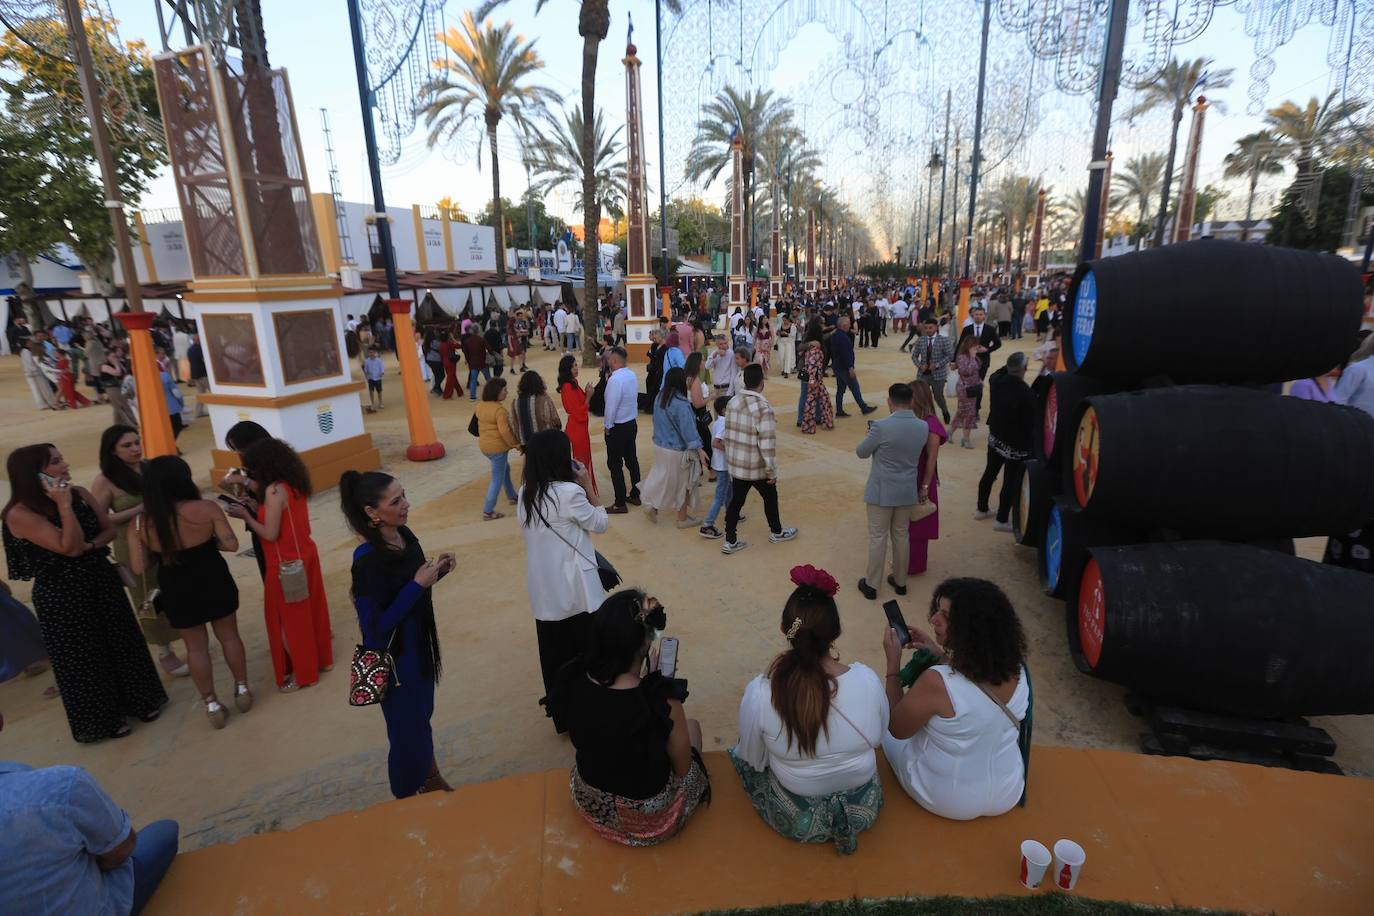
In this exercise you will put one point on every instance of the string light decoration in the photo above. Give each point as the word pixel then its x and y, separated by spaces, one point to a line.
pixel 401 38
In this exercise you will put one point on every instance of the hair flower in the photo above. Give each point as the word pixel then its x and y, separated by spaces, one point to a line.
pixel 809 576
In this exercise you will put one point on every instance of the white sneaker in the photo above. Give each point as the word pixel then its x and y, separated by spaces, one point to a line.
pixel 980 515
pixel 785 534
pixel 1001 526
pixel 733 546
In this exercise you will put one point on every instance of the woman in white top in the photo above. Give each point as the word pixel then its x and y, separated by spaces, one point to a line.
pixel 559 511
pixel 809 726
pixel 955 739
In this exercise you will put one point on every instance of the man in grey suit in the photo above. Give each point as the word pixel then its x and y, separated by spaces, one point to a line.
pixel 895 445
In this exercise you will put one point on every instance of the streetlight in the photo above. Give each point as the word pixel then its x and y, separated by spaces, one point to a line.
pixel 934 165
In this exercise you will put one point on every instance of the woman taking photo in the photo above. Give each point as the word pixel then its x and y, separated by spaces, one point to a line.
pixel 922 532
pixel 118 493
pixel 495 438
pixel 533 410
pixel 956 740
pixel 671 483
pixel 112 373
pixel 816 406
pixel 575 405
pixel 639 774
pixel 966 417
pixel 54 535
pixel 807 728
pixel 298 629
pixel 392 583
pixel 185 535
pixel 559 512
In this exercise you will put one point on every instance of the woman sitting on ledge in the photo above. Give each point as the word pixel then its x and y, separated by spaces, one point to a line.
pixel 639 773
pixel 955 739
pixel 809 726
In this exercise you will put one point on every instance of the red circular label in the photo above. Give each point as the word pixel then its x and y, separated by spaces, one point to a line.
pixel 1085 450
pixel 1051 418
pixel 1092 615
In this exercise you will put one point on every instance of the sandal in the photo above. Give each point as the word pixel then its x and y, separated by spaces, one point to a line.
pixel 173 666
pixel 492 516
pixel 243 697
pixel 288 686
pixel 216 712
pixel 151 716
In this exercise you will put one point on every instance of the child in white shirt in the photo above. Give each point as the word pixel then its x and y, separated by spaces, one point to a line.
pixel 723 488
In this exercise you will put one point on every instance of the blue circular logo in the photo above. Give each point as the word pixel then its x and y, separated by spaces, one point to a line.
pixel 1084 316
pixel 1054 547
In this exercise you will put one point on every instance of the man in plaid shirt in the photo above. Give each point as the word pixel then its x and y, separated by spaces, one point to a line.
pixel 932 355
pixel 751 457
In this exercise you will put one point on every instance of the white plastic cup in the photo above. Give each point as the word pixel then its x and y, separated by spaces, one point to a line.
pixel 1068 862
pixel 1035 858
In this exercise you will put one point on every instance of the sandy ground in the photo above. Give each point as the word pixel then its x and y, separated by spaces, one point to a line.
pixel 302 756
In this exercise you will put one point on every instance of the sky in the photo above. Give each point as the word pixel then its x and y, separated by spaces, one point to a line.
pixel 310 38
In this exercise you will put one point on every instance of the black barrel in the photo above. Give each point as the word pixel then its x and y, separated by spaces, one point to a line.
pixel 1060 397
pixel 1227 628
pixel 1028 512
pixel 1212 311
pixel 1229 463
pixel 1067 536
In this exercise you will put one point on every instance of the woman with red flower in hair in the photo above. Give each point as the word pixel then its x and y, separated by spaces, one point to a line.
pixel 807 728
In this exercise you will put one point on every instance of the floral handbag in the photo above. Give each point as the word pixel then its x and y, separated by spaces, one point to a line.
pixel 370 674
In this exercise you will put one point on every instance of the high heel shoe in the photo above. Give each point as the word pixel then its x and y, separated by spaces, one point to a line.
pixel 216 712
pixel 243 697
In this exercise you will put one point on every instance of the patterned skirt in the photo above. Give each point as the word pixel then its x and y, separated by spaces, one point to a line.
pixel 837 818
pixel 647 821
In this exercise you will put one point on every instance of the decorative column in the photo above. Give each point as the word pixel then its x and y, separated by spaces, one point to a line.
pixel 1102 211
pixel 1187 199
pixel 962 315
pixel 1037 231
pixel 738 281
pixel 269 317
pixel 775 274
pixel 640 285
pixel 810 275
pixel 424 444
pixel 155 423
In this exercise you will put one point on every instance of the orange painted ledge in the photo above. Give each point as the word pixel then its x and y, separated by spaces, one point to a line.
pixel 1156 830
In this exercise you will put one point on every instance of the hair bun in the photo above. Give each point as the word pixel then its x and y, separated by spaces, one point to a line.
pixel 809 576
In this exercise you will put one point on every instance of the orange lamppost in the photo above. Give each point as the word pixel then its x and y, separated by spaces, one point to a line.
pixel 424 444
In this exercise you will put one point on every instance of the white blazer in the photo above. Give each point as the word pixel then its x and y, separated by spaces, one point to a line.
pixel 562 579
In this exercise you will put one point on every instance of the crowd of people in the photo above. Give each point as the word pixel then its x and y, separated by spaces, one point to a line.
pixel 137 560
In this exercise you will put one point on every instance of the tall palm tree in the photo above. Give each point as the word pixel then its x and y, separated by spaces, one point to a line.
pixel 557 159
pixel 487 79
pixel 1139 181
pixel 1256 154
pixel 1174 89
pixel 593 24
pixel 1314 130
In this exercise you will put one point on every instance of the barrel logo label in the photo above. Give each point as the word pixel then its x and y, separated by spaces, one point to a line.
pixel 1051 418
pixel 1092 617
pixel 1084 316
pixel 1054 547
pixel 1085 452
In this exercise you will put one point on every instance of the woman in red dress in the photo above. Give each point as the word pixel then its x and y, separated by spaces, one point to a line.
pixel 575 405
pixel 298 631
pixel 67 382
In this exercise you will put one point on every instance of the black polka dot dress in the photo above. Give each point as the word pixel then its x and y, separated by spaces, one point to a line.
pixel 97 651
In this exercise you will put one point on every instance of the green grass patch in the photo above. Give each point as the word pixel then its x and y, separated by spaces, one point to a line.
pixel 1043 904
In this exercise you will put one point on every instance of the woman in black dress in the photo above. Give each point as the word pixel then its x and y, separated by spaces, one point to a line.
pixel 184 535
pixel 54 536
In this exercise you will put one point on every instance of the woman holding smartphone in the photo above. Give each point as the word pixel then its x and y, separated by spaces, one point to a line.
pixel 54 535
pixel 559 511
pixel 392 592
pixel 185 536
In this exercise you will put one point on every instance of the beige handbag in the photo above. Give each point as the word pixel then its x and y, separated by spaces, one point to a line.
pixel 295 586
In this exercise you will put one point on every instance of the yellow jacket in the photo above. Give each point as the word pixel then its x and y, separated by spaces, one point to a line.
pixel 494 434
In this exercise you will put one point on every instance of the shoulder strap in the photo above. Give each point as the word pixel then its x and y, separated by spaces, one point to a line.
pixel 290 519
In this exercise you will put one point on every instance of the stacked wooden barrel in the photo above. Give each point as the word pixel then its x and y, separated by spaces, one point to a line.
pixel 1168 480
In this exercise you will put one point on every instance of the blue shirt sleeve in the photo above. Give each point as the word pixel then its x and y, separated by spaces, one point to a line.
pixel 99 823
pixel 380 613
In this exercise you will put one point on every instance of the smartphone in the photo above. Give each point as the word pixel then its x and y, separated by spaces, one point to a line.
pixel 870 424
pixel 47 480
pixel 228 500
pixel 897 622
pixel 667 656
pixel 576 467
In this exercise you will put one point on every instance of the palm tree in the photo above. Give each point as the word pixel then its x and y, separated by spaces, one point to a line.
pixel 1256 154
pixel 557 158
pixel 1314 130
pixel 1174 89
pixel 593 24
pixel 1139 181
pixel 487 78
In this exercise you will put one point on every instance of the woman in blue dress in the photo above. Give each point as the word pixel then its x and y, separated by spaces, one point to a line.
pixel 392 583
